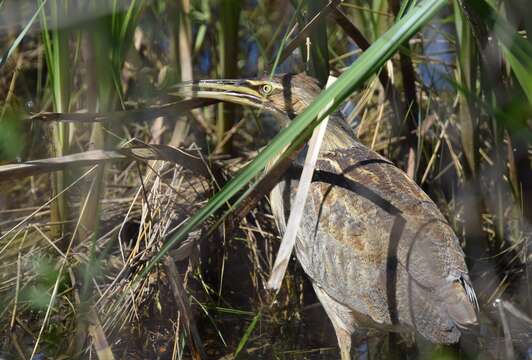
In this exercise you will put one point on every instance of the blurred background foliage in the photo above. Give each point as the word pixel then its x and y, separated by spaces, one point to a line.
pixel 452 107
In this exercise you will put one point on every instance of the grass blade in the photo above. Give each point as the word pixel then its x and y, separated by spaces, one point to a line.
pixel 247 334
pixel 23 33
pixel 229 20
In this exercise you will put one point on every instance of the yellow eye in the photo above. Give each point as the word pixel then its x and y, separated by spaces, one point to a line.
pixel 266 89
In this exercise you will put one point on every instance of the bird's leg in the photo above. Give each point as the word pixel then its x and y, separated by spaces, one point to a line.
pixel 344 342
pixel 341 318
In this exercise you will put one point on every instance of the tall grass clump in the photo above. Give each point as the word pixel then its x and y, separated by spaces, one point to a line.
pixel 59 63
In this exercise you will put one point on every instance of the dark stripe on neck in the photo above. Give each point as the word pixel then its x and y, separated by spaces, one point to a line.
pixel 287 95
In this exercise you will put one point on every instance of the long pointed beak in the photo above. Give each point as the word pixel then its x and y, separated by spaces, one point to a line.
pixel 233 91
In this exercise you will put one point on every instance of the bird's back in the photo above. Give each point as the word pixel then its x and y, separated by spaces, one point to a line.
pixel 375 242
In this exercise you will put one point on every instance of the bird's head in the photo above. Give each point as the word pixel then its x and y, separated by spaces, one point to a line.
pixel 285 94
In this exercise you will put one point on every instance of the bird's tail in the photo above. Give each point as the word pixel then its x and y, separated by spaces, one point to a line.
pixel 461 302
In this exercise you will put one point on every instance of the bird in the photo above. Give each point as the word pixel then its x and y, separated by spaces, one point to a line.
pixel 376 248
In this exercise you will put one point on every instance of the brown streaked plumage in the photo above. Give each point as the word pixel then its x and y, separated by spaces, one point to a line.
pixel 378 251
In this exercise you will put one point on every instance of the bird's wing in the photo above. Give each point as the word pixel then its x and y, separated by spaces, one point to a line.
pixel 371 238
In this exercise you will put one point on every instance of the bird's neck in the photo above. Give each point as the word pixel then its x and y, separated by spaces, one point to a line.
pixel 339 134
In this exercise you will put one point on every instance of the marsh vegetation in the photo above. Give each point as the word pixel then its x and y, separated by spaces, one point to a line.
pixel 134 223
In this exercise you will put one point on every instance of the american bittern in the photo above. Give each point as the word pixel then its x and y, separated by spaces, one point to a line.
pixel 378 251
